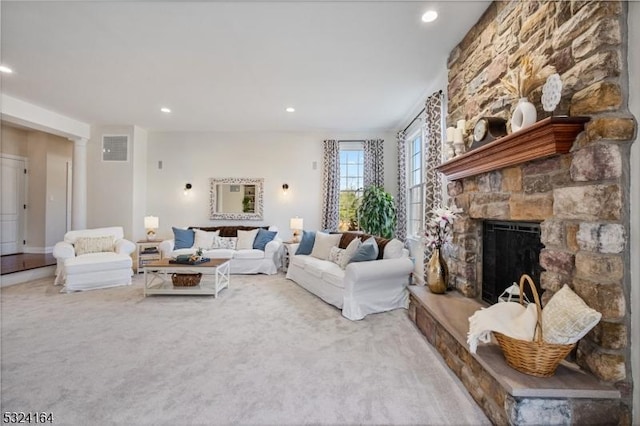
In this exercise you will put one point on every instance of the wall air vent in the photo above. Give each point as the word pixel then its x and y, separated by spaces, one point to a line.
pixel 115 147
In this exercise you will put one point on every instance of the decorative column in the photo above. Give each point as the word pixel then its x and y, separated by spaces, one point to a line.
pixel 79 197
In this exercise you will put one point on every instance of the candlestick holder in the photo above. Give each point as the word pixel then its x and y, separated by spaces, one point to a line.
pixel 449 151
pixel 458 148
pixel 456 137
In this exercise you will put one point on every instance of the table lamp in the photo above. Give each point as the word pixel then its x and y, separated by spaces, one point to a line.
pixel 151 223
pixel 296 225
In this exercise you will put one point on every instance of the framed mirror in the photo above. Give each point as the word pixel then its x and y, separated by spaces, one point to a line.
pixel 235 198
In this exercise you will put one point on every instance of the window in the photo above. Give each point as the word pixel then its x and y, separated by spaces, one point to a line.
pixel 415 184
pixel 351 184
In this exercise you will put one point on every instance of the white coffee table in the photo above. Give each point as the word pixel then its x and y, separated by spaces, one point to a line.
pixel 157 277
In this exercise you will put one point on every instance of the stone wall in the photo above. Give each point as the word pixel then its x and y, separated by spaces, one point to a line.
pixel 580 198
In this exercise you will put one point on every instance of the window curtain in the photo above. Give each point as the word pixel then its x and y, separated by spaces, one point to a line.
pixel 373 163
pixel 401 199
pixel 432 137
pixel 331 185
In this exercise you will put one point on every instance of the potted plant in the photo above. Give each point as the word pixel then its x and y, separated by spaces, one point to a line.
pixel 377 212
pixel 247 205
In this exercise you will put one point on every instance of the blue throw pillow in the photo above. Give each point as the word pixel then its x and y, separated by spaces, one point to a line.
pixel 263 238
pixel 183 238
pixel 367 251
pixel 306 243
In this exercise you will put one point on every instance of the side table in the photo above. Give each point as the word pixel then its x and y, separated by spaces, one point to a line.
pixel 289 249
pixel 147 251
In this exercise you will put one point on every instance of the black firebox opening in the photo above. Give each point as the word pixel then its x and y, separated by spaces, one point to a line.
pixel 509 249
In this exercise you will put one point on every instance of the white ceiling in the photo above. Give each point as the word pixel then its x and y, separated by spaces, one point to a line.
pixel 231 66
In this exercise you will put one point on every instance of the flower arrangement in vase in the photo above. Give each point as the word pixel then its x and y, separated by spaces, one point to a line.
pixel 521 82
pixel 440 226
pixel 439 231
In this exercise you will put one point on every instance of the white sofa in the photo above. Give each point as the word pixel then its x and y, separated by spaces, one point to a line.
pixel 360 289
pixel 245 261
pixel 108 268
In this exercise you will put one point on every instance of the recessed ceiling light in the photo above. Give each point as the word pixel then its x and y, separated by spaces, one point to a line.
pixel 165 109
pixel 290 109
pixel 430 16
pixel 5 69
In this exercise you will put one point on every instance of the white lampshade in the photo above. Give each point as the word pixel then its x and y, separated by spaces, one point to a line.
pixel 296 223
pixel 151 222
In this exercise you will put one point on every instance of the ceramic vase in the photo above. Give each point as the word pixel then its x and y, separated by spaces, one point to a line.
pixel 437 273
pixel 524 115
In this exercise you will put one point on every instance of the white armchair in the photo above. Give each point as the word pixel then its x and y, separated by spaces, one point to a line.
pixel 93 258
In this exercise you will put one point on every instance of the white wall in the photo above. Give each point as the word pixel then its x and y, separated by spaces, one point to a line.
pixel 58 155
pixel 634 107
pixel 276 157
pixel 37 192
pixel 109 183
pixel 13 141
pixel 139 190
pixel 117 191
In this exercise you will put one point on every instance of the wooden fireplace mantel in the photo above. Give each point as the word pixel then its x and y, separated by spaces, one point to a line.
pixel 550 136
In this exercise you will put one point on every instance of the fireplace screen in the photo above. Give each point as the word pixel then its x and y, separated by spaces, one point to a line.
pixel 509 249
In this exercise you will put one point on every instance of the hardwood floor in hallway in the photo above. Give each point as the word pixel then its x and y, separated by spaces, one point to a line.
pixel 24 261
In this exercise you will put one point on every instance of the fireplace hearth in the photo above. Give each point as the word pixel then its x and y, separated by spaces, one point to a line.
pixel 509 249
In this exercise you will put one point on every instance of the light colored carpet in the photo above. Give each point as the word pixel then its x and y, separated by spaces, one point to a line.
pixel 264 352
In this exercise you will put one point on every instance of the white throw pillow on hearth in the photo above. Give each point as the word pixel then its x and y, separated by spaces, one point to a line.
pixel 566 318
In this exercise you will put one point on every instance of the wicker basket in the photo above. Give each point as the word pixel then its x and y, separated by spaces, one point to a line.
pixel 185 280
pixel 536 358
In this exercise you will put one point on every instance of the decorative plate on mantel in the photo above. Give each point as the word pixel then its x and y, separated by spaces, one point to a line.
pixel 551 93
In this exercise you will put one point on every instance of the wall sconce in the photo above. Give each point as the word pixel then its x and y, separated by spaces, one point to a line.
pixel 296 224
pixel 187 188
pixel 151 223
pixel 285 188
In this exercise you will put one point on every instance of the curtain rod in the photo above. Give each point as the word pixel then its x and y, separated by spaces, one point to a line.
pixel 414 119
pixel 418 116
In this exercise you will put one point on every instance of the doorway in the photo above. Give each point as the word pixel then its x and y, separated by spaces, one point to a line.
pixel 12 206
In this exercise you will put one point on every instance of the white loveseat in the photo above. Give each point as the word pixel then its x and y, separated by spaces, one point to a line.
pixel 107 264
pixel 243 261
pixel 360 289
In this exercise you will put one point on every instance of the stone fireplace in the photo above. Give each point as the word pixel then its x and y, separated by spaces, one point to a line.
pixel 522 212
pixel 511 195
pixel 579 194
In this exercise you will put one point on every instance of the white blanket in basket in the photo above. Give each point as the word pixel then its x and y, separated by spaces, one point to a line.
pixel 509 318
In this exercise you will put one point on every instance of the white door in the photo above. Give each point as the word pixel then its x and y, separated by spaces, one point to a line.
pixel 12 206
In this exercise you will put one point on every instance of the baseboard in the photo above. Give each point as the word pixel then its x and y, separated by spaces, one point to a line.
pixel 29 275
pixel 37 250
